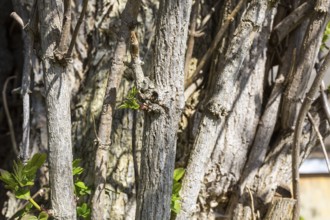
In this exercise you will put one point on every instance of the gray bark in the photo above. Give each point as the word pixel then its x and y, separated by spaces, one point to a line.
pixel 298 79
pixel 58 112
pixel 159 145
pixel 99 201
pixel 220 107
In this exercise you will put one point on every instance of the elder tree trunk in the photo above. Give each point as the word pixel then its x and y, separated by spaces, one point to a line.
pixel 236 130
pixel 57 92
pixel 161 124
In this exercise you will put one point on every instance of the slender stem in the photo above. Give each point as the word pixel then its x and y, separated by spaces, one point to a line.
pixel 191 40
pixel 35 204
pixel 319 135
pixel 297 133
pixel 62 47
pixel 325 103
pixel 76 29
pixel 10 122
pixel 214 43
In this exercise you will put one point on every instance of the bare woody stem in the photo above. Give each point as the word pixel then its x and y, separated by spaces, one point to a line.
pixel 214 44
pixel 76 29
pixel 191 39
pixel 99 204
pixel 63 45
pixel 10 122
pixel 297 133
pixel 28 39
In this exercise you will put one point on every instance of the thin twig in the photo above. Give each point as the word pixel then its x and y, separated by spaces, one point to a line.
pixel 28 38
pixel 297 133
pixel 98 24
pixel 252 203
pixel 191 39
pixel 214 43
pixel 325 103
pixel 62 47
pixel 76 29
pixel 10 122
pixel 321 140
pixel 18 19
pixel 208 16
pixel 128 17
pixel 134 153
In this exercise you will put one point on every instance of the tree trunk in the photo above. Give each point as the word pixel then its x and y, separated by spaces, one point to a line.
pixel 213 129
pixel 236 128
pixel 159 143
pixel 58 111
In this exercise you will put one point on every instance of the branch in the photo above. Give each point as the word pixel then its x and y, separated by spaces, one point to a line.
pixel 76 29
pixel 99 200
pixel 214 43
pixel 297 133
pixel 319 135
pixel 60 52
pixel 208 16
pixel 10 122
pixel 28 39
pixel 290 22
pixel 191 39
pixel 325 103
pixel 221 101
pixel 18 19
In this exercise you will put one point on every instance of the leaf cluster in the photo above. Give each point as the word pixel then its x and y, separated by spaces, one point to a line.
pixel 326 35
pixel 176 200
pixel 80 189
pixel 23 176
pixel 131 100
pixel 21 180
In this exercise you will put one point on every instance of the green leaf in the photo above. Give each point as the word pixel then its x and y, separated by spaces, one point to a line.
pixel 29 217
pixel 35 163
pixel 81 189
pixel 83 211
pixel 43 215
pixel 8 179
pixel 178 174
pixel 29 171
pixel 23 193
pixel 176 188
pixel 176 206
pixel 81 185
pixel 18 173
pixel 76 168
pixel 131 100
pixel 77 171
pixel 76 163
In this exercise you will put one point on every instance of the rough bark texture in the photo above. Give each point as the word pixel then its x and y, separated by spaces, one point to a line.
pixel 280 209
pixel 58 112
pixel 100 201
pixel 220 107
pixel 159 145
pixel 250 151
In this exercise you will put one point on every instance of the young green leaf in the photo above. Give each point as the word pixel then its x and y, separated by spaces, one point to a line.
pixel 29 171
pixel 131 100
pixel 35 163
pixel 8 179
pixel 178 174
pixel 29 217
pixel 43 216
pixel 176 206
pixel 23 193
pixel 83 211
pixel 176 188
pixel 81 189
pixel 76 169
